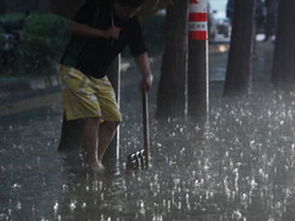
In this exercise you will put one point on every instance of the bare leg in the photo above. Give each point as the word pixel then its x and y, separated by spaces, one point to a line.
pixel 106 133
pixel 91 128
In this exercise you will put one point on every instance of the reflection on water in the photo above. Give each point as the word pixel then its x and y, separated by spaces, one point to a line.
pixel 241 168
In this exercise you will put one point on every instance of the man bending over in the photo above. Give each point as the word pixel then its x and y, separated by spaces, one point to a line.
pixel 100 31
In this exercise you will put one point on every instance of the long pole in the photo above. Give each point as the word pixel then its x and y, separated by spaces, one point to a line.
pixel 114 74
pixel 146 133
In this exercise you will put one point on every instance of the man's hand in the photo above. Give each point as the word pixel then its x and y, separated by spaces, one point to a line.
pixel 113 32
pixel 147 82
pixel 145 69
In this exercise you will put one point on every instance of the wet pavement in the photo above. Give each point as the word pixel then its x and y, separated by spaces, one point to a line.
pixel 240 167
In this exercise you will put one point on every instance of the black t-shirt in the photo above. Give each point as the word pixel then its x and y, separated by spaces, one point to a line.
pixel 93 56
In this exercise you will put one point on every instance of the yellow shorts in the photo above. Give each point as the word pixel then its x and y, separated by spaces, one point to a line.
pixel 88 97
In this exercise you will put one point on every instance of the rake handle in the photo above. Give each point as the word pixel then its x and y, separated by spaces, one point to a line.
pixel 146 133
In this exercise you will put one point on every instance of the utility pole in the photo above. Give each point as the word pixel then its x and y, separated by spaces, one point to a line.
pixel 198 62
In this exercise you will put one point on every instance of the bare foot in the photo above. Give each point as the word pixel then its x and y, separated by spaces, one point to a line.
pixel 96 166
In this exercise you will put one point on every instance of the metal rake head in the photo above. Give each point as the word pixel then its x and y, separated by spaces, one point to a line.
pixel 136 160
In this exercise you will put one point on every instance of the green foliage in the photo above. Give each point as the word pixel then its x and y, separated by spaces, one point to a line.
pixel 1 42
pixel 11 17
pixel 43 40
pixel 39 46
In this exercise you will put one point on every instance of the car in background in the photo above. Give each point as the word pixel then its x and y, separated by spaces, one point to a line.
pixel 224 27
pixel 212 23
pixel 219 26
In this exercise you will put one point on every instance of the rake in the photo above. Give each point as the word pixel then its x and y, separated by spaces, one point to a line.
pixel 141 159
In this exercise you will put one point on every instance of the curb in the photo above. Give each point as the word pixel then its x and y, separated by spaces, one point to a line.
pixel 23 95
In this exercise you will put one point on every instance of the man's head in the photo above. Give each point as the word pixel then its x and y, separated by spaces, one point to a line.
pixel 126 9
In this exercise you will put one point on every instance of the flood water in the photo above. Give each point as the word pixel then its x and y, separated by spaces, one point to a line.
pixel 241 167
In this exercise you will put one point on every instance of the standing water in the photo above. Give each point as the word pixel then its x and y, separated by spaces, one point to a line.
pixel 240 168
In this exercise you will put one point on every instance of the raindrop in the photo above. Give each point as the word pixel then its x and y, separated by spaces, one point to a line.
pixel 252 142
pixel 278 205
pixel 237 215
pixel 16 186
pixel 55 207
pixel 142 208
pixel 19 205
pixel 182 151
pixel 243 196
pixel 73 205
pixel 179 206
pixel 159 145
pixel 65 187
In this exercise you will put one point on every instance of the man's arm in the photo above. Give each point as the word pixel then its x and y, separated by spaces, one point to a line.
pixel 144 66
pixel 87 31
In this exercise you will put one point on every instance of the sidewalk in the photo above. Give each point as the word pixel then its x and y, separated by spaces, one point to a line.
pixel 26 94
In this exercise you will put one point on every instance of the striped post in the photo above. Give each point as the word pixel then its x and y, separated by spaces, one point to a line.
pixel 198 62
pixel 198 20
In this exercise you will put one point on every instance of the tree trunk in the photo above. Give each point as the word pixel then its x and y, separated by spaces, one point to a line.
pixel 71 135
pixel 239 69
pixel 171 93
pixel 284 54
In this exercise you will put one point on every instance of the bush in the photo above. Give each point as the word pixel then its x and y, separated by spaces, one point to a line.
pixel 3 35
pixel 43 40
pixel 38 47
pixel 11 17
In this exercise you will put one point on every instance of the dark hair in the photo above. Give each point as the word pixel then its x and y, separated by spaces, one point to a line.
pixel 130 3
